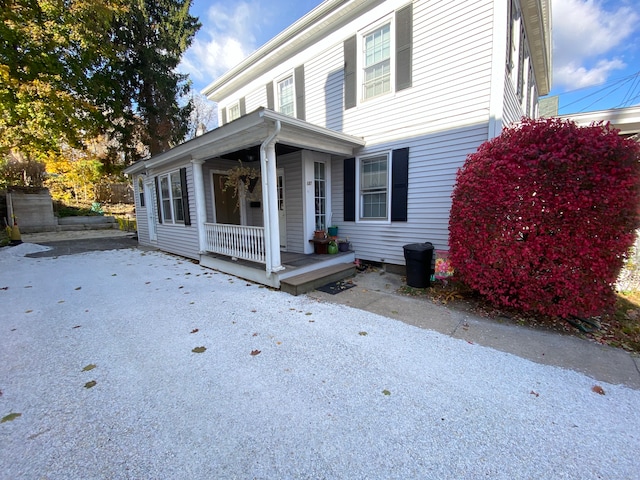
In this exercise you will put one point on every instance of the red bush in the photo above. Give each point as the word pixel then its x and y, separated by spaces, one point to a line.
pixel 543 215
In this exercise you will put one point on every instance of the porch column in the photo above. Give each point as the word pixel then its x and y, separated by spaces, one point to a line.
pixel 270 211
pixel 201 211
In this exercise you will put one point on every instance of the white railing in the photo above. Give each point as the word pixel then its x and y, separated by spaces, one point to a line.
pixel 236 241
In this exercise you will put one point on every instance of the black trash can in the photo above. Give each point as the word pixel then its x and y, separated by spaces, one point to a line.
pixel 418 258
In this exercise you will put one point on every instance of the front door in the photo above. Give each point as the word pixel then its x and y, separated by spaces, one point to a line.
pixel 226 204
pixel 282 212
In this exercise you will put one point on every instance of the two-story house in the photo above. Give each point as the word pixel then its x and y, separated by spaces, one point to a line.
pixel 358 115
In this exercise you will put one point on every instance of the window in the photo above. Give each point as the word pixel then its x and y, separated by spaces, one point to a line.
pixel 234 112
pixel 171 198
pixel 320 194
pixel 286 97
pixel 377 62
pixel 374 187
pixel 141 191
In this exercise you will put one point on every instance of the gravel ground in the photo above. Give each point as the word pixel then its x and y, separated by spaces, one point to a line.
pixel 287 388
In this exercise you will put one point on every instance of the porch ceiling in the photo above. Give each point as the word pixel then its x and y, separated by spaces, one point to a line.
pixel 249 131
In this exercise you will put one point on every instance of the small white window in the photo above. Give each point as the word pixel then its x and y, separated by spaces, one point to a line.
pixel 286 96
pixel 171 198
pixel 233 112
pixel 374 187
pixel 377 62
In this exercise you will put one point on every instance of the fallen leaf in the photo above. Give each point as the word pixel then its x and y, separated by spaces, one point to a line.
pixel 4 288
pixel 10 417
pixel 534 393
pixel 114 274
pixel 199 350
pixel 28 311
pixel 386 392
pixel 195 330
pixel 253 311
pixel 255 352
pixel 308 313
pixel 363 334
pixel 598 389
pixel 255 334
pixel 181 286
pixel 90 384
pixel 147 283
pixel 91 366
pixel 28 286
pixel 77 326
pixel 60 301
pixel 277 343
pixel 78 288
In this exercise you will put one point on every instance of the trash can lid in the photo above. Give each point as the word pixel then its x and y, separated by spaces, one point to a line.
pixel 418 247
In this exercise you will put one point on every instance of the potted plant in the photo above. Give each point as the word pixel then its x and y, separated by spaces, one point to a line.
pixel 333 231
pixel 344 245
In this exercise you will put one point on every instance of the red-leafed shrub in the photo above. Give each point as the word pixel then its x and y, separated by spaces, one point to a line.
pixel 543 215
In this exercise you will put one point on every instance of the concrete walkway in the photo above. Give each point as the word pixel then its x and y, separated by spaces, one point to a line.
pixel 377 292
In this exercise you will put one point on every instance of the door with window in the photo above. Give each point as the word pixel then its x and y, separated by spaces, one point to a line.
pixel 149 201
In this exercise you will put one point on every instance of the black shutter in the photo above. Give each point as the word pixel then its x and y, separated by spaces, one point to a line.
pixel 224 116
pixel 349 190
pixel 404 47
pixel 158 200
pixel 270 101
pixel 243 106
pixel 350 73
pixel 399 184
pixel 185 196
pixel 298 78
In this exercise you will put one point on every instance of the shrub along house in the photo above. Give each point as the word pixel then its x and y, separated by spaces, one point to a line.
pixel 358 115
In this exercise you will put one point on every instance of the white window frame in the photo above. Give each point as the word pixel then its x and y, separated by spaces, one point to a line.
pixel 171 206
pixel 360 218
pixel 386 21
pixel 286 78
pixel 233 111
pixel 141 198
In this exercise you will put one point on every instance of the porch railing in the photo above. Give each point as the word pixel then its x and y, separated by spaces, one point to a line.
pixel 237 241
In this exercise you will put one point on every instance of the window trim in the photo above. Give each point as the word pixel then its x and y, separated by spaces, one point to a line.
pixel 141 199
pixel 171 199
pixel 361 56
pixel 288 76
pixel 359 195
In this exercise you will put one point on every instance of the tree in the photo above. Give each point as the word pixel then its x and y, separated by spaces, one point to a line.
pixel 203 116
pixel 48 54
pixel 149 42
pixel 543 215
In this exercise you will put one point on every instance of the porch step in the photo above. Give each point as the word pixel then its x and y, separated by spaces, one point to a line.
pixel 305 282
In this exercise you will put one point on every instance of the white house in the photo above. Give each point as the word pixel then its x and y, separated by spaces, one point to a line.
pixel 358 115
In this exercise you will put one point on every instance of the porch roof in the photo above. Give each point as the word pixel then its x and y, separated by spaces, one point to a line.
pixel 251 130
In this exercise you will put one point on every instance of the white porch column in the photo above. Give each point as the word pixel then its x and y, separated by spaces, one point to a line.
pixel 201 211
pixel 270 200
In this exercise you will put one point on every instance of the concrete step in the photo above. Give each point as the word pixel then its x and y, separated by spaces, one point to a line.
pixel 305 282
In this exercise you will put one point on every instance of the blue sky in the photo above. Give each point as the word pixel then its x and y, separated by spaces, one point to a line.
pixel 596 59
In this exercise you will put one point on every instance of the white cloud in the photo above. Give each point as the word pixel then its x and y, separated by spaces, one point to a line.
pixel 587 37
pixel 225 39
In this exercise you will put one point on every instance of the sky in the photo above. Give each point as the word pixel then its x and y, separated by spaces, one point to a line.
pixel 596 59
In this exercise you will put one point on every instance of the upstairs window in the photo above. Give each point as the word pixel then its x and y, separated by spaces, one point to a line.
pixel 234 112
pixel 377 62
pixel 286 95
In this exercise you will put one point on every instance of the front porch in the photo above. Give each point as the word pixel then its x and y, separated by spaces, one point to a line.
pixel 326 266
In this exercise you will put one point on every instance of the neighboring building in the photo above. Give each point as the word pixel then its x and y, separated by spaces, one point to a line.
pixel 358 115
pixel 627 120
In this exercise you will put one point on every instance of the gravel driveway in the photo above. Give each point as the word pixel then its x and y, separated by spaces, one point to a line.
pixel 100 379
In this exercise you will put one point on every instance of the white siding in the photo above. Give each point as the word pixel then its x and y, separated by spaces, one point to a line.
pixel 442 118
pixel 256 99
pixel 141 215
pixel 292 165
pixel 181 239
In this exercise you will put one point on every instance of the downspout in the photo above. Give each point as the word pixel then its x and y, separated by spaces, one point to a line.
pixel 265 196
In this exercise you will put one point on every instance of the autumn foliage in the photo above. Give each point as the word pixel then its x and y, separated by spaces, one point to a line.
pixel 543 215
